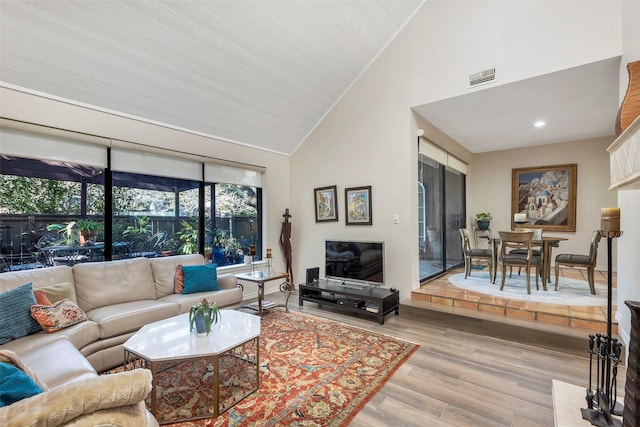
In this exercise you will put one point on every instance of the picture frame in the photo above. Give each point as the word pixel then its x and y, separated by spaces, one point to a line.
pixel 547 195
pixel 326 204
pixel 357 201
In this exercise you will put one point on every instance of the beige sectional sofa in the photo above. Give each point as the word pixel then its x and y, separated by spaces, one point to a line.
pixel 118 298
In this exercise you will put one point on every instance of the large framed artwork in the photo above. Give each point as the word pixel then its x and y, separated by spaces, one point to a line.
pixel 544 197
pixel 326 204
pixel 357 201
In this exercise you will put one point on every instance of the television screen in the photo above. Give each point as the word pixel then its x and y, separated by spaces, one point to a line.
pixel 355 261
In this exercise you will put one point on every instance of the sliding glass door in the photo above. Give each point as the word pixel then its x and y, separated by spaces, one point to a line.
pixel 441 212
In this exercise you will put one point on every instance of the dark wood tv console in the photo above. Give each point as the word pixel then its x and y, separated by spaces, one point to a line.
pixel 358 298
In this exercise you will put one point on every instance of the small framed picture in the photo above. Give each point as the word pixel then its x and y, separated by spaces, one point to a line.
pixel 326 204
pixel 357 202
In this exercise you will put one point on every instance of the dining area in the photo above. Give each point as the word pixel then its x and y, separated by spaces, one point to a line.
pixel 525 251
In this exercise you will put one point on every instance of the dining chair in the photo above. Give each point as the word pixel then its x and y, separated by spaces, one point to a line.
pixel 471 254
pixel 586 261
pixel 511 240
pixel 536 250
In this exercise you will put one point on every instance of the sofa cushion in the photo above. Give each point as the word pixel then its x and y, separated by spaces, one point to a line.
pixel 118 319
pixel 57 363
pixel 40 277
pixel 200 278
pixel 15 314
pixel 58 316
pixel 80 336
pixel 164 271
pixel 222 298
pixel 58 292
pixel 101 284
pixel 15 385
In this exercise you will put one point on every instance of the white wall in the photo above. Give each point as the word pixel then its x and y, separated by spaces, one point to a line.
pixel 628 200
pixel 369 138
pixel 39 110
pixel 489 187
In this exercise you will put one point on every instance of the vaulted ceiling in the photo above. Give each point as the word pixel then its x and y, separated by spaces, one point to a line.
pixel 262 73
pixel 265 73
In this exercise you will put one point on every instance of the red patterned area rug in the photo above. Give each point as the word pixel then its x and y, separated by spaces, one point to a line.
pixel 313 372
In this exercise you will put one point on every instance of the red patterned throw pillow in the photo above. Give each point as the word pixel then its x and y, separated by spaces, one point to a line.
pixel 58 316
pixel 41 297
pixel 179 282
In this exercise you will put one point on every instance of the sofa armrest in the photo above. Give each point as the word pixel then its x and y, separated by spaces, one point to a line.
pixel 63 404
pixel 227 281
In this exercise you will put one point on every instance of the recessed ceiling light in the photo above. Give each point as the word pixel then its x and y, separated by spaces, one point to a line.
pixel 539 124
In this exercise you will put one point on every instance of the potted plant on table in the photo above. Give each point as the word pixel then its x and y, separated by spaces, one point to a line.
pixel 203 315
pixel 88 230
pixel 483 219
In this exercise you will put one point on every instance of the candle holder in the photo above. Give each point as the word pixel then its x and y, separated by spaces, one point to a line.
pixel 519 225
pixel 253 266
pixel 268 268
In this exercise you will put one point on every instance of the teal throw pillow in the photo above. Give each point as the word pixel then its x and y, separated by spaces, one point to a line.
pixel 15 385
pixel 15 313
pixel 200 278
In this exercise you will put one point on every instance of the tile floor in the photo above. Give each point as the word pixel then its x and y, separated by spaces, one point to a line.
pixel 440 291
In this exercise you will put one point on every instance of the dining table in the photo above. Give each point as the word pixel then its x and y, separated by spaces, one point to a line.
pixel 73 254
pixel 547 243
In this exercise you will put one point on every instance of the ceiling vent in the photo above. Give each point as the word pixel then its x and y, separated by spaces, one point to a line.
pixel 482 77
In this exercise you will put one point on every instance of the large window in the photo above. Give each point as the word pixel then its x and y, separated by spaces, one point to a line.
pixel 233 219
pixel 154 216
pixel 53 210
pixel 51 213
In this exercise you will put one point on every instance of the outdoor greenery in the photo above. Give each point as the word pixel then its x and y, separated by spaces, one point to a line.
pixel 138 213
pixel 188 236
pixel 45 196
pixel 87 225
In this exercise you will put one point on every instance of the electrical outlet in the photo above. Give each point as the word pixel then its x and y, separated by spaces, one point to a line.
pixel 396 219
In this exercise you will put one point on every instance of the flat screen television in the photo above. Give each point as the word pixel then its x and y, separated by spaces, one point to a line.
pixel 355 261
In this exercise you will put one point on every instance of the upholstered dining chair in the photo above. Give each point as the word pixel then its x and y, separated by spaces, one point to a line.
pixel 586 261
pixel 511 240
pixel 471 254
pixel 536 250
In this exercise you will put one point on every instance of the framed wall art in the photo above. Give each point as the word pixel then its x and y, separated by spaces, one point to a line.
pixel 357 202
pixel 326 204
pixel 544 197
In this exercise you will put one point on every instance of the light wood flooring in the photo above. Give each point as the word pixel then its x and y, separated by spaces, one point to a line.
pixel 480 370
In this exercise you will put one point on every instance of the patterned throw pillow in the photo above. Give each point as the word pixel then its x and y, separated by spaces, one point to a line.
pixel 179 283
pixel 15 318
pixel 41 297
pixel 58 316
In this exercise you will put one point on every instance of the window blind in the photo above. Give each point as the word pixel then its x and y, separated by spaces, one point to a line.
pixel 215 172
pixel 32 145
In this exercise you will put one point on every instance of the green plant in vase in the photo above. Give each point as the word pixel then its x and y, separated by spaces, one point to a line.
pixel 203 315
pixel 483 220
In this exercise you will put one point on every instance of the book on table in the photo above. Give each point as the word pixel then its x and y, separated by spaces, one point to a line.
pixel 265 304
